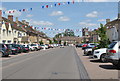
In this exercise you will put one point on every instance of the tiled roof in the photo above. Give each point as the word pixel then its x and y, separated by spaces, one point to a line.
pixel 13 24
pixel 112 23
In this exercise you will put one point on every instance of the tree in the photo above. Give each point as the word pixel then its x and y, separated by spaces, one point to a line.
pixel 55 41
pixel 58 35
pixel 50 41
pixel 41 42
pixel 69 32
pixel 102 34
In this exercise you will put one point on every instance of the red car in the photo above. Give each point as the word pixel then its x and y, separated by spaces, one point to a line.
pixel 84 45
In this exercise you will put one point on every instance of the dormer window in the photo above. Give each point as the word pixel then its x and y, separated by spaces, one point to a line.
pixel 9 32
pixel 15 31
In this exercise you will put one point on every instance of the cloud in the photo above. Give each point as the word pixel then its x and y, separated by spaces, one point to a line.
pixel 43 23
pixel 2 8
pixel 29 15
pixel 85 24
pixel 64 18
pixel 101 20
pixel 56 13
pixel 15 14
pixel 92 14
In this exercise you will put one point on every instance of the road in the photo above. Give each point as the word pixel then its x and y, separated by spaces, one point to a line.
pixel 57 63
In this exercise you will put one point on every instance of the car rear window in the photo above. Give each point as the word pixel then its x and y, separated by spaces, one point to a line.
pixel 112 45
pixel 33 44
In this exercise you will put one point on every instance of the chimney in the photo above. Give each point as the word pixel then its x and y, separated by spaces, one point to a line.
pixel 107 20
pixel 23 21
pixel 16 19
pixel 10 17
pixel 0 18
pixel 27 23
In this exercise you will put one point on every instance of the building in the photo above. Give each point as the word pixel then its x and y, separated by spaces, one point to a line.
pixel 112 29
pixel 19 32
pixel 70 40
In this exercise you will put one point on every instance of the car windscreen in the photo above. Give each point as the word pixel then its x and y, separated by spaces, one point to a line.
pixel 112 45
pixel 33 44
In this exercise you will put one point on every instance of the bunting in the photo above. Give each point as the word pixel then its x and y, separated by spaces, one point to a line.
pixel 44 6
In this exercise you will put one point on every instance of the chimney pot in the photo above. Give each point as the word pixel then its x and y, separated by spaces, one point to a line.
pixel 23 21
pixel 10 17
pixel 107 20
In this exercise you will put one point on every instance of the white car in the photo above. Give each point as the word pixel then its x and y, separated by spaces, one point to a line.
pixel 31 48
pixel 36 46
pixel 113 53
pixel 100 54
pixel 44 46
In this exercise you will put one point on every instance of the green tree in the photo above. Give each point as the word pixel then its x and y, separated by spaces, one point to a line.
pixel 55 41
pixel 102 34
pixel 58 35
pixel 50 41
pixel 69 32
pixel 41 42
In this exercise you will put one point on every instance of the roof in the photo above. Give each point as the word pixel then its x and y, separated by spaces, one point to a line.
pixel 13 24
pixel 67 38
pixel 112 23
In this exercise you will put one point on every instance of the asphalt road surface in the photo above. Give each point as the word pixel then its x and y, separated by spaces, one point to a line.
pixel 58 63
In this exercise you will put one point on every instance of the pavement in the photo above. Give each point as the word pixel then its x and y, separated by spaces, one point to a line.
pixel 57 63
pixel 97 69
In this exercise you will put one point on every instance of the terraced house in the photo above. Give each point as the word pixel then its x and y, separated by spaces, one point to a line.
pixel 19 32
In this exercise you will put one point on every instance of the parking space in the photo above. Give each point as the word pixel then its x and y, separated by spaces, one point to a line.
pixel 96 69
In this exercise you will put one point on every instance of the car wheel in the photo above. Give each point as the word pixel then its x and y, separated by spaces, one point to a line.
pixel 102 58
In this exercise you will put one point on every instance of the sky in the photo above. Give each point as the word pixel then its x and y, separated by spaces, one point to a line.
pixel 73 16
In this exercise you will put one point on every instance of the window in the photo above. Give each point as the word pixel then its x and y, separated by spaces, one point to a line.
pixel 9 41
pixel 4 41
pixel 9 32
pixel 3 31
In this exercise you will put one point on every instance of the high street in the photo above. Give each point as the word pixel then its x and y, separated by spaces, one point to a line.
pixel 57 63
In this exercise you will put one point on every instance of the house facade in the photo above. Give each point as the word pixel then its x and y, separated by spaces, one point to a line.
pixel 19 32
pixel 112 29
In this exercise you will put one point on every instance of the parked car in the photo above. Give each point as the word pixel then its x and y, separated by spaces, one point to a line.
pixel 31 48
pixel 25 48
pixel 79 45
pixel 36 46
pixel 100 54
pixel 84 45
pixel 113 53
pixel 90 48
pixel 19 50
pixel 13 49
pixel 5 51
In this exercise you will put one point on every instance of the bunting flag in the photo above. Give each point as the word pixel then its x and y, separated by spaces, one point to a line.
pixel 23 10
pixel 31 9
pixel 59 4
pixel 55 5
pixel 55 29
pixel 68 2
pixel 44 6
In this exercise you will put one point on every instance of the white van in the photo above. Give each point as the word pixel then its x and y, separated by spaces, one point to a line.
pixel 113 53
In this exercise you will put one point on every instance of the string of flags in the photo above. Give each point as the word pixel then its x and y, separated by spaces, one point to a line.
pixel 43 6
pixel 55 29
